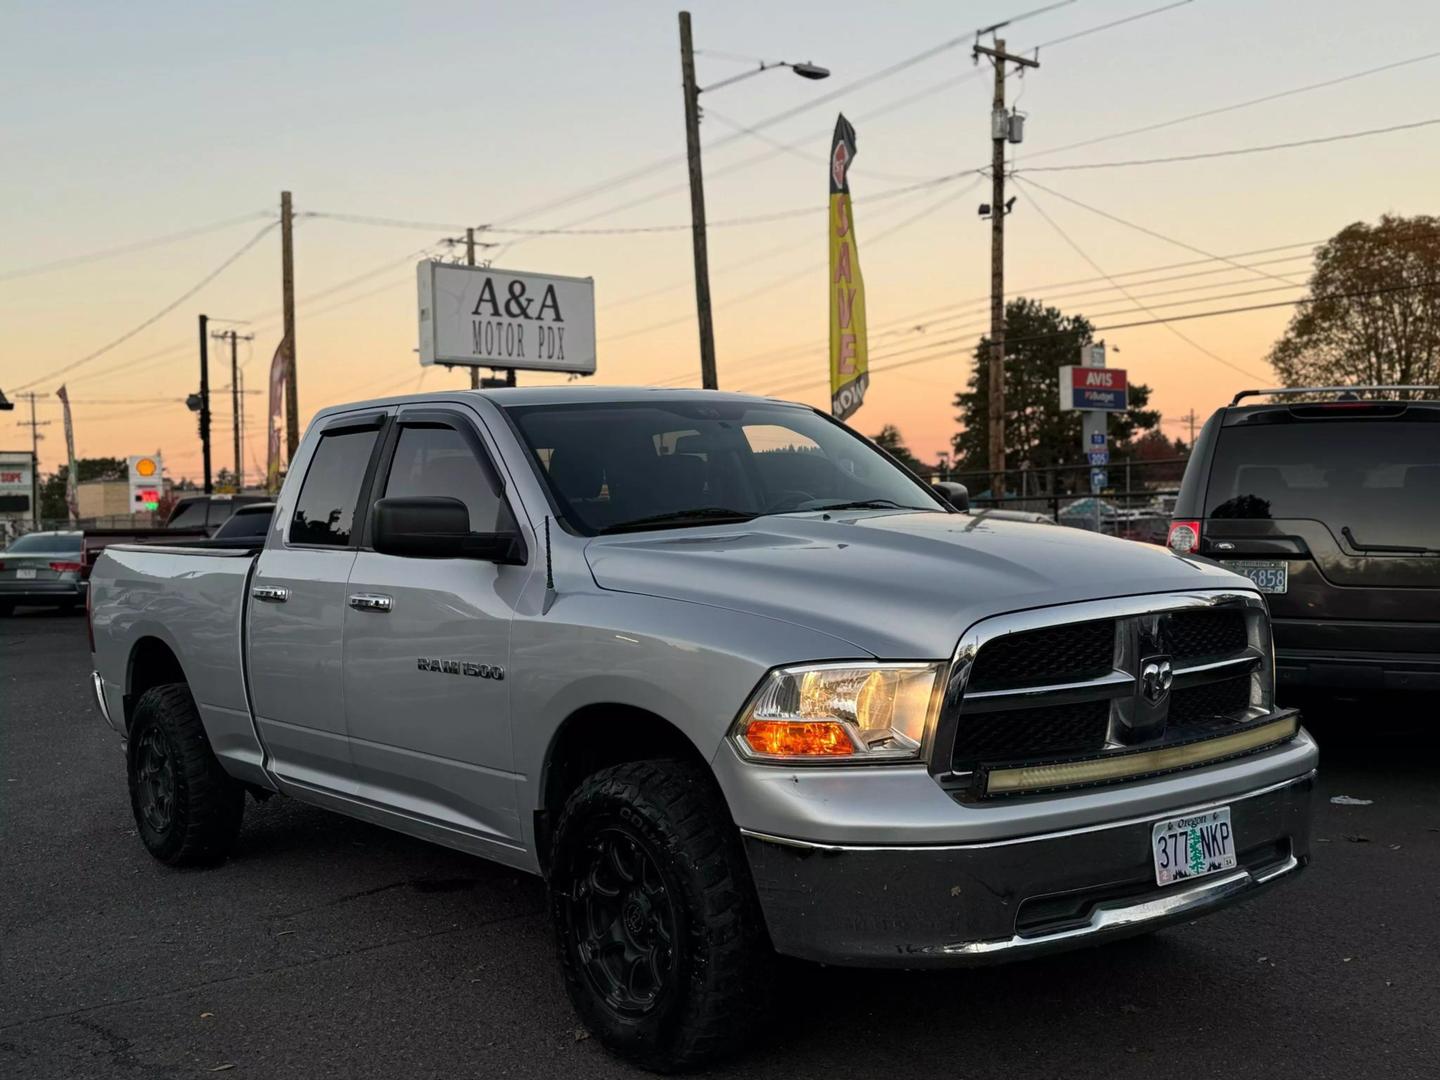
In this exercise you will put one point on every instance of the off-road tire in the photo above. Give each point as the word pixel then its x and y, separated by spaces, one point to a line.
pixel 197 822
pixel 713 1001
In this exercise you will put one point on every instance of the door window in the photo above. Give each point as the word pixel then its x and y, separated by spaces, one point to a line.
pixel 431 459
pixel 325 509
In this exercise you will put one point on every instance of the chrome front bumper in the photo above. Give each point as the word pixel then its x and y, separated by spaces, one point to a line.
pixel 968 904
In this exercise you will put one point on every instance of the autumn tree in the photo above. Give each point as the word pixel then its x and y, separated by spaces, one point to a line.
pixel 1391 336
pixel 1038 341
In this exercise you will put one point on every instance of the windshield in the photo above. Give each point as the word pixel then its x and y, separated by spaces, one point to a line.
pixel 623 465
pixel 50 543
pixel 1378 478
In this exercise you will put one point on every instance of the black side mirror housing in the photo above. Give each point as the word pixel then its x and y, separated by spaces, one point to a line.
pixel 958 495
pixel 437 527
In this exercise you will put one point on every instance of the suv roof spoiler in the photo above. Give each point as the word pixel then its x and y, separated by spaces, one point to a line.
pixel 1292 391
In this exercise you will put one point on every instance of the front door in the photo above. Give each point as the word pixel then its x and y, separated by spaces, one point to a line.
pixel 296 610
pixel 427 645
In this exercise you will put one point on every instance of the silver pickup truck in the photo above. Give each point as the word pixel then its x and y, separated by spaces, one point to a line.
pixel 733 680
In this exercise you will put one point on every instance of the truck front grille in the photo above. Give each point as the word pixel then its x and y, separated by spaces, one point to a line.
pixel 1052 684
pixel 1049 654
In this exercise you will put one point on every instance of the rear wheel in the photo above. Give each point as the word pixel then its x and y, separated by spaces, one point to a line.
pixel 660 933
pixel 187 808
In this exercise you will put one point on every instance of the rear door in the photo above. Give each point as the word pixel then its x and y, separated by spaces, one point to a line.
pixel 296 611
pixel 1346 495
pixel 427 644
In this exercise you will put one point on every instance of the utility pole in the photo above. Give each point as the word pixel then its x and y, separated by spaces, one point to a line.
pixel 205 398
pixel 1191 418
pixel 287 303
pixel 470 261
pixel 235 412
pixel 999 134
pixel 697 208
pixel 35 437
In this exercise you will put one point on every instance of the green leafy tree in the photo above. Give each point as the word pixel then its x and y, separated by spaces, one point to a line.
pixel 52 490
pixel 891 439
pixel 1038 340
pixel 1386 338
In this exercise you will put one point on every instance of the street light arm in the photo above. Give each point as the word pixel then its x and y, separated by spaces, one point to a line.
pixel 804 70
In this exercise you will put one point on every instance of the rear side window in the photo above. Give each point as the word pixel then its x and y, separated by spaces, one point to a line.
pixel 437 460
pixel 325 509
pixel 1381 479
pixel 189 516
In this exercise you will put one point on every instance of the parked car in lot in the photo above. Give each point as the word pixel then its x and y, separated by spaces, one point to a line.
pixel 1330 504
pixel 43 569
pixel 208 512
pixel 725 675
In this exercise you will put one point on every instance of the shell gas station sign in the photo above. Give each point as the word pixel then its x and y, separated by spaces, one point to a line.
pixel 147 482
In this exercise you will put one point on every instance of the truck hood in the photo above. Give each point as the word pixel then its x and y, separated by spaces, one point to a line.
pixel 898 585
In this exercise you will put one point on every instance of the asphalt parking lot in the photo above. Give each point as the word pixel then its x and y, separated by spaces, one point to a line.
pixel 325 947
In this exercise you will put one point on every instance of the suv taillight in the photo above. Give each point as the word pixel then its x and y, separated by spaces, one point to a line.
pixel 67 567
pixel 1184 538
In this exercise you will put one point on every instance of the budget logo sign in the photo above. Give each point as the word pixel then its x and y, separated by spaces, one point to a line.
pixel 1094 389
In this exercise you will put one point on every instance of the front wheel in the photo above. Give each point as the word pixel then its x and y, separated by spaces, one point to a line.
pixel 660 933
pixel 187 808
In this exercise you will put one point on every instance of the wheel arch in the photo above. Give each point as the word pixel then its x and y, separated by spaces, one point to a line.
pixel 152 662
pixel 595 737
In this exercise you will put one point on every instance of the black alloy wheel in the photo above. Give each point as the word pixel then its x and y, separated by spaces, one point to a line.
pixel 155 780
pixel 624 921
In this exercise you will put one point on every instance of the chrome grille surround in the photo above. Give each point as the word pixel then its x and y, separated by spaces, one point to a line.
pixel 1140 630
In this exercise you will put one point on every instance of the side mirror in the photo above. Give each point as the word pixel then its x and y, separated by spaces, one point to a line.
pixel 958 495
pixel 437 527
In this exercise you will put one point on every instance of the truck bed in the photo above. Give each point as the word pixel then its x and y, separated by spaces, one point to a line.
pixel 191 600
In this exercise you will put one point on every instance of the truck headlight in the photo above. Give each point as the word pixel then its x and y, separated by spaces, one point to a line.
pixel 831 712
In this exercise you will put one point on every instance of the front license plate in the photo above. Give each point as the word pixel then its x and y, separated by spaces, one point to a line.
pixel 1192 847
pixel 1269 576
pixel 24 575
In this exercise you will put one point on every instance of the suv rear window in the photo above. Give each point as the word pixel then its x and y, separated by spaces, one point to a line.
pixel 1379 478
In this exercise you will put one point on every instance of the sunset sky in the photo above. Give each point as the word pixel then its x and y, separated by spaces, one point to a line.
pixel 125 123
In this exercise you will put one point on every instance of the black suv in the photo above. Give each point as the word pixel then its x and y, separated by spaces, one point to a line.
pixel 1330 503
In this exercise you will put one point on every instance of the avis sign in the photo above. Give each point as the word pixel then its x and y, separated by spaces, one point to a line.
pixel 1096 389
pixel 478 316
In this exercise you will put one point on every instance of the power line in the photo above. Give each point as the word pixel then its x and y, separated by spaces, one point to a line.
pixel 1235 152
pixel 186 295
pixel 126 249
pixel 1110 25
pixel 1131 296
pixel 1264 99
pixel 1346 295
pixel 974 307
pixel 1148 232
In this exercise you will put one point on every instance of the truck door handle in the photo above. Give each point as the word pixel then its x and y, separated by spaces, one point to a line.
pixel 276 594
pixel 369 602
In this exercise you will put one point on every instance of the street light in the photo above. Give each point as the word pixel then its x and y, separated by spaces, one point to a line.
pixel 805 70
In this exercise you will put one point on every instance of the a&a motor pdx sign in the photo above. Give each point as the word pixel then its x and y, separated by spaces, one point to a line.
pixel 483 317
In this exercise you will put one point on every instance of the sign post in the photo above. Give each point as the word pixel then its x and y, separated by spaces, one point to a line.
pixel 479 316
pixel 147 482
pixel 1095 391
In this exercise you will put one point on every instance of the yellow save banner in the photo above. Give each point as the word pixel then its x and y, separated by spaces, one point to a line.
pixel 849 349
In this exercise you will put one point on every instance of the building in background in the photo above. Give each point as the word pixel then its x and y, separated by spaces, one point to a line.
pixel 18 494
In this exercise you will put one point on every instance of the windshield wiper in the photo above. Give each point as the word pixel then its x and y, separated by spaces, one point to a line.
pixel 857 504
pixel 694 515
pixel 1399 549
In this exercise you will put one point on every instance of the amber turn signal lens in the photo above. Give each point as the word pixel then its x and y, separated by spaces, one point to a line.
pixel 799 738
